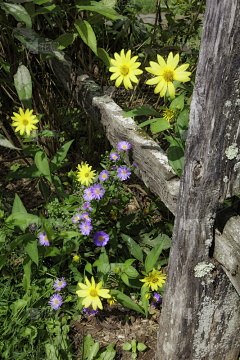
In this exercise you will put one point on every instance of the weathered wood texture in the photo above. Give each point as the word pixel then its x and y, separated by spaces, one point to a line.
pixel 201 315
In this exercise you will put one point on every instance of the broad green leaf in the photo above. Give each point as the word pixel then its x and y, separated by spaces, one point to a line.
pixel 175 155
pixel 97 263
pixel 126 301
pixel 3 259
pixel 134 343
pixel 127 347
pixel 88 268
pixel 141 347
pixel 133 247
pixel 42 165
pixel 160 125
pixel 29 172
pixel 128 263
pixel 147 122
pixel 109 3
pixel 109 354
pixel 141 110
pixel 144 290
pixel 58 187
pixel 153 256
pixel 131 272
pixel 52 251
pixel 30 246
pixel 177 103
pixel 60 155
pixel 44 189
pixel 99 7
pixel 181 127
pixel 103 55
pixel 87 34
pixel 65 40
pixel 17 305
pixel 23 85
pixel 71 234
pixel 94 351
pixel 21 220
pixel 18 12
pixel 18 206
pixel 124 278
pixel 6 143
pixel 27 273
pixel 48 9
pixel 88 342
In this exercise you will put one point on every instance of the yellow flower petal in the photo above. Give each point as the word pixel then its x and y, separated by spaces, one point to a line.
pixel 171 90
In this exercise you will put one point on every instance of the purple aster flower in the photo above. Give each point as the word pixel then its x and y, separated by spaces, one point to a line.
pixel 55 301
pixel 114 167
pixel 123 173
pixel 85 216
pixel 114 156
pixel 114 179
pixel 103 175
pixel 98 223
pixel 101 238
pixel 59 284
pixel 124 145
pixel 43 239
pixel 90 311
pixel 76 218
pixel 87 205
pixel 135 165
pixel 97 191
pixel 88 196
pixel 85 227
pixel 156 299
pixel 60 226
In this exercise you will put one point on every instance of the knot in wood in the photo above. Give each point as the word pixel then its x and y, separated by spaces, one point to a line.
pixel 197 174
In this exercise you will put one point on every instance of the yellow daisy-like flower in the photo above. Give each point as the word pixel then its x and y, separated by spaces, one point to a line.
pixel 111 300
pixel 168 114
pixel 76 258
pixel 125 68
pixel 166 73
pixel 24 121
pixel 113 214
pixel 91 294
pixel 116 269
pixel 154 280
pixel 147 296
pixel 85 175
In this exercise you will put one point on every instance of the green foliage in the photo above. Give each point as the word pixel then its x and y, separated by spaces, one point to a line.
pixel 134 346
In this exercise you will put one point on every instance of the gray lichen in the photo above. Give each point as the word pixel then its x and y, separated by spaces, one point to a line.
pixel 202 269
pixel 232 151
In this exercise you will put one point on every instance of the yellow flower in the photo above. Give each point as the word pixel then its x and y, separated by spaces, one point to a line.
pixel 24 121
pixel 111 300
pixel 125 68
pixel 91 294
pixel 168 114
pixel 147 296
pixel 76 258
pixel 85 175
pixel 116 269
pixel 166 74
pixel 113 214
pixel 154 280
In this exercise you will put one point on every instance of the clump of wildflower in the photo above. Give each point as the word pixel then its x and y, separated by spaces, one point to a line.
pixel 59 284
pixel 124 69
pixel 24 121
pixel 97 191
pixel 156 298
pixel 76 218
pixel 103 175
pixel 111 300
pixel 91 293
pixel 76 258
pixel 55 301
pixel 43 239
pixel 166 74
pixel 168 114
pixel 87 206
pixel 88 195
pixel 123 173
pixel 84 174
pixel 114 156
pixel 85 227
pixel 154 280
pixel 124 145
pixel 100 238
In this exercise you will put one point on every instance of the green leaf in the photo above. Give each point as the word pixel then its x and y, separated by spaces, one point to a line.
pixel 42 165
pixel 131 272
pixel 30 246
pixel 94 351
pixel 88 342
pixel 58 187
pixel 103 55
pixel 51 251
pixel 109 354
pixel 160 125
pixel 18 12
pixel 100 8
pixel 6 143
pixel 126 301
pixel 3 259
pixel 88 268
pixel 133 247
pixel 182 125
pixel 18 206
pixel 21 220
pixel 175 156
pixel 147 122
pixel 29 172
pixel 177 103
pixel 23 85
pixel 17 305
pixel 144 290
pixel 134 347
pixel 65 40
pixel 27 273
pixel 141 110
pixel 127 347
pixel 124 278
pixel 97 263
pixel 153 256
pixel 44 189
pixel 141 347
pixel 60 155
pixel 87 34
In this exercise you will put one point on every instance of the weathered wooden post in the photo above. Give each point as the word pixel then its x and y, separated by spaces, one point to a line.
pixel 201 308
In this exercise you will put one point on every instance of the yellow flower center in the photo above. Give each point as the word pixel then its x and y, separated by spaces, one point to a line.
pixel 124 147
pixel 86 217
pixel 93 293
pixel 97 191
pixel 86 174
pixel 124 172
pixel 56 301
pixel 104 176
pixel 154 280
pixel 101 238
pixel 45 238
pixel 25 122
pixel 60 283
pixel 168 75
pixel 124 70
pixel 114 156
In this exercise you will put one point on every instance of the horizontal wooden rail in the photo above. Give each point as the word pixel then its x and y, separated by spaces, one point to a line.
pixel 152 162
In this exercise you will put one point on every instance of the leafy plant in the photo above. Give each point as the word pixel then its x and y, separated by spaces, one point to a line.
pixel 134 346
